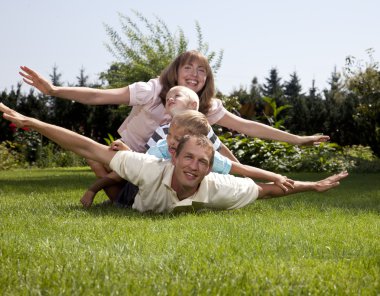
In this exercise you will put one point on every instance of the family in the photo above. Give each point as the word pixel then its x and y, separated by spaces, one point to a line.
pixel 185 165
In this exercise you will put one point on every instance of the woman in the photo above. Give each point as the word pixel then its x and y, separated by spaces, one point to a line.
pixel 190 69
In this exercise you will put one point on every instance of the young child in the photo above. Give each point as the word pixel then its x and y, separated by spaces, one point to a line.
pixel 185 122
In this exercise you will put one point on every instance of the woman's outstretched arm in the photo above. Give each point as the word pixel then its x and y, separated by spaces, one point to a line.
pixel 84 95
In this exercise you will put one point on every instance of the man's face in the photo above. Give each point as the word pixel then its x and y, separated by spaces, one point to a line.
pixel 178 100
pixel 175 134
pixel 191 165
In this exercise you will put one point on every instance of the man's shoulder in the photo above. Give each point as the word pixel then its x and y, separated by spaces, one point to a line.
pixel 226 180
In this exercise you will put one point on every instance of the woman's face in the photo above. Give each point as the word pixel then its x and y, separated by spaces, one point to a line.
pixel 192 75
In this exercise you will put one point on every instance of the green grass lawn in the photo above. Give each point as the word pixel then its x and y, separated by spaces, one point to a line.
pixel 310 243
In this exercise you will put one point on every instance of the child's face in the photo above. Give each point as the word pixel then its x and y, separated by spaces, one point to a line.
pixel 178 100
pixel 175 134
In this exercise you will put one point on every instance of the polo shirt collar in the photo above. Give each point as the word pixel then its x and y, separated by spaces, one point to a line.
pixel 167 176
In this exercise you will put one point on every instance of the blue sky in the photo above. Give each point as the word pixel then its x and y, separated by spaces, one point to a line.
pixel 309 37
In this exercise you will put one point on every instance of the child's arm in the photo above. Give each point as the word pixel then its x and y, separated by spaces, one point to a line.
pixel 227 153
pixel 255 173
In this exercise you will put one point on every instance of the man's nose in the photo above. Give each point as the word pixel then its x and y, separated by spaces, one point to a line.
pixel 194 165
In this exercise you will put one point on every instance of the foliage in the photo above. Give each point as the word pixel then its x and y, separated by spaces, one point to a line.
pixel 363 158
pixel 92 121
pixel 363 81
pixel 9 157
pixel 310 243
pixel 15 155
pixel 110 139
pixel 29 143
pixel 348 110
pixel 52 155
pixel 274 119
pixel 144 48
pixel 284 157
pixel 273 87
pixel 231 103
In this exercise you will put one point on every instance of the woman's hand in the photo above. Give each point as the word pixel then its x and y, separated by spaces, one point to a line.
pixel 34 79
pixel 313 140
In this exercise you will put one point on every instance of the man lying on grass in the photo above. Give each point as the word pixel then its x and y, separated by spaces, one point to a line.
pixel 164 186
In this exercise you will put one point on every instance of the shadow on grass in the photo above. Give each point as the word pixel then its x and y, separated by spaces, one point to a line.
pixel 45 183
pixel 358 192
pixel 101 209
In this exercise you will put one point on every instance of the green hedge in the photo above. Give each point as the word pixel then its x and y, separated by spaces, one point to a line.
pixel 284 157
pixel 272 156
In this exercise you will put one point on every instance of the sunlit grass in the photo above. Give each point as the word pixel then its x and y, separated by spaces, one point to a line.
pixel 310 243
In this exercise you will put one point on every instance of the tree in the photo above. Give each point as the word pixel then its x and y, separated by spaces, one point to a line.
pixel 336 93
pixel 143 54
pixel 252 105
pixel 272 90
pixel 363 82
pixel 80 113
pixel 298 116
pixel 317 113
pixel 340 107
pixel 59 110
pixel 273 87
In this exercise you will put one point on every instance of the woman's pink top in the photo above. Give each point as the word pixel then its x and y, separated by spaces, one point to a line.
pixel 148 113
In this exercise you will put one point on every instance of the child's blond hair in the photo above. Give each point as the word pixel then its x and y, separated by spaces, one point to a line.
pixel 194 122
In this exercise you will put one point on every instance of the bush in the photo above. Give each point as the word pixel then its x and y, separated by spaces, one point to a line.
pixel 284 157
pixel 365 161
pixel 15 155
pixel 27 142
pixel 9 156
pixel 51 155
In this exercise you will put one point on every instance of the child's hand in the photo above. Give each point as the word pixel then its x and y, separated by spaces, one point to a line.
pixel 118 145
pixel 283 182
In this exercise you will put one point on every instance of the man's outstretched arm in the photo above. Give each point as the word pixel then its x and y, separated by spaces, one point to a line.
pixel 67 139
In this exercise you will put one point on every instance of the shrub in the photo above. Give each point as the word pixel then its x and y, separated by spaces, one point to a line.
pixel 27 142
pixel 51 155
pixel 365 161
pixel 9 156
pixel 13 155
pixel 284 157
